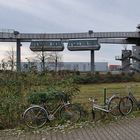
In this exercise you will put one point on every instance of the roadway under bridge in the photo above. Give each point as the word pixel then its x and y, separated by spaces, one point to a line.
pixel 103 37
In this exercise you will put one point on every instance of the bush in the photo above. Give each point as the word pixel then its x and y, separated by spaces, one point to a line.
pixel 16 87
pixel 106 78
pixel 11 108
pixel 67 86
pixel 42 97
pixel 65 89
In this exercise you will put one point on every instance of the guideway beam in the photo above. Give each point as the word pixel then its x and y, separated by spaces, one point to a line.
pixel 30 36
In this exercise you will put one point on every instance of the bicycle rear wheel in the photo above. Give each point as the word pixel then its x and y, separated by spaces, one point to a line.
pixel 113 106
pixel 70 113
pixel 35 117
pixel 126 105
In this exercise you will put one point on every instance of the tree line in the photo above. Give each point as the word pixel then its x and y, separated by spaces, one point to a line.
pixel 9 62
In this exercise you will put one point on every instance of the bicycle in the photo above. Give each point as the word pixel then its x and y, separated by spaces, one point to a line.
pixel 127 103
pixel 111 106
pixel 37 116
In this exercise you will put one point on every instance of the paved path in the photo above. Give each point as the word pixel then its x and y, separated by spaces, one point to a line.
pixel 128 129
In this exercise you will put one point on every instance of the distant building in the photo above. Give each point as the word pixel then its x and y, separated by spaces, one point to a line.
pixel 114 67
pixel 74 66
pixel 130 59
pixel 85 66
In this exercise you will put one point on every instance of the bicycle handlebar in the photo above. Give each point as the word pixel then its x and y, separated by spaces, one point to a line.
pixel 92 99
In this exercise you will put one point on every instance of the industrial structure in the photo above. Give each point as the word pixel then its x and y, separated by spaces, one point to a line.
pixel 125 59
pixel 130 59
pixel 102 37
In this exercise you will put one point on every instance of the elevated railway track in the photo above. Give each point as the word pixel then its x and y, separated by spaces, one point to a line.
pixel 103 37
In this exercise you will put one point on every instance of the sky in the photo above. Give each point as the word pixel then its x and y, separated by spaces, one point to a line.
pixel 64 16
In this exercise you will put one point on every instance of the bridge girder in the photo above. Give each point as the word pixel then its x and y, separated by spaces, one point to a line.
pixel 63 36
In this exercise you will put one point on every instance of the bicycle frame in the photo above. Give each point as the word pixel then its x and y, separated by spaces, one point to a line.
pixel 99 107
pixel 51 113
pixel 131 96
pixel 105 107
pixel 95 106
pixel 37 115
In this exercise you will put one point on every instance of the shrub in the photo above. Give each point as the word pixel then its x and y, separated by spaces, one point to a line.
pixel 65 89
pixel 106 78
pixel 67 86
pixel 11 108
pixel 42 97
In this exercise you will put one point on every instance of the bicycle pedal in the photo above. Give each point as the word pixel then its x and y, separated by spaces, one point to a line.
pixel 51 117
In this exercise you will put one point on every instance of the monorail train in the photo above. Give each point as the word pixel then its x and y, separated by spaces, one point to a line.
pixel 83 45
pixel 47 46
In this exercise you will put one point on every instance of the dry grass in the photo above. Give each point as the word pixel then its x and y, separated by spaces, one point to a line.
pixel 97 90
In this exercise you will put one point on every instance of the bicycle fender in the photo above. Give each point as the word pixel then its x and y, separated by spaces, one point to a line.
pixel 113 97
pixel 33 107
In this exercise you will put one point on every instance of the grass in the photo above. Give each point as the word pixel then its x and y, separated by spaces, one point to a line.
pixel 97 90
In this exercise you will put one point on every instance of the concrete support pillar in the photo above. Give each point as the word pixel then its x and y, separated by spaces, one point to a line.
pixel 18 57
pixel 136 58
pixel 92 62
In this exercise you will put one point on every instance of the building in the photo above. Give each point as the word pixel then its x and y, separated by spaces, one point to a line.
pixel 114 67
pixel 73 66
pixel 130 59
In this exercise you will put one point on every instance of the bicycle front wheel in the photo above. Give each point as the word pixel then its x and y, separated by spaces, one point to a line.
pixel 113 106
pixel 35 117
pixel 126 105
pixel 70 113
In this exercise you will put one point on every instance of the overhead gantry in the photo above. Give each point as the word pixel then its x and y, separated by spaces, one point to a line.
pixel 103 37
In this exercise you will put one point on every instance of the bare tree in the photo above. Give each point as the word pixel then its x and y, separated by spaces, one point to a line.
pixel 11 58
pixel 4 64
pixel 32 64
pixel 56 59
pixel 43 57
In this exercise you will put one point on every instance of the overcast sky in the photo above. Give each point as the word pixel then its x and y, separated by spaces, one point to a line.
pixel 54 16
